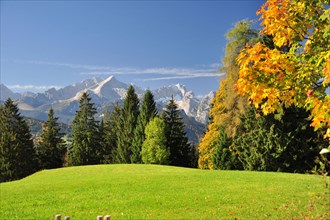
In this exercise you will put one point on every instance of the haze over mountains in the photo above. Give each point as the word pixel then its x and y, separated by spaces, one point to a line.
pixel 105 93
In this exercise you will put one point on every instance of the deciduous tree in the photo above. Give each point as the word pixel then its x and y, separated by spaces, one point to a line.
pixel 154 149
pixel 296 71
pixel 227 105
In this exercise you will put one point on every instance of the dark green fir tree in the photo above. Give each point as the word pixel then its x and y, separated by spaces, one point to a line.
pixel 286 145
pixel 223 157
pixel 147 112
pixel 176 138
pixel 127 120
pixel 110 133
pixel 51 148
pixel 85 135
pixel 17 153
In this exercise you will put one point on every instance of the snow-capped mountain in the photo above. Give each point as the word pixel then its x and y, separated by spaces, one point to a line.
pixel 104 93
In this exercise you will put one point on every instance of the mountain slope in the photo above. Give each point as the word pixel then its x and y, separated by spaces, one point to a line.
pixel 6 93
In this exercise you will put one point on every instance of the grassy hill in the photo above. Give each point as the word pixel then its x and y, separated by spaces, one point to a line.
pixel 163 192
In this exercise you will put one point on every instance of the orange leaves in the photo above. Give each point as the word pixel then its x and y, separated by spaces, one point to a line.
pixel 287 20
pixel 326 72
pixel 320 112
pixel 208 142
pixel 262 72
pixel 292 72
pixel 207 147
pixel 275 16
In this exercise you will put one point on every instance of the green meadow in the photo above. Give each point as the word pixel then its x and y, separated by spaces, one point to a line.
pixel 164 192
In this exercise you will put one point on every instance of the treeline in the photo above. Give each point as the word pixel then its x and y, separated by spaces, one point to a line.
pixel 131 133
pixel 241 136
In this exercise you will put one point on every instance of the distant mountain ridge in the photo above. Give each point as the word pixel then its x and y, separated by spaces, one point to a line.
pixel 105 93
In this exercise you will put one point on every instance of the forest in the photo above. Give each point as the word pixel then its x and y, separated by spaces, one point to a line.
pixel 270 113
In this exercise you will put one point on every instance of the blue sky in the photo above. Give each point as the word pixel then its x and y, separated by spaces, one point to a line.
pixel 149 43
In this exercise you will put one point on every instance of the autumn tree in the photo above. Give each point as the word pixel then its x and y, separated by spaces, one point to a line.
pixel 154 149
pixel 127 121
pixel 227 105
pixel 296 70
pixel 85 134
pixel 51 148
pixel 17 153
pixel 147 112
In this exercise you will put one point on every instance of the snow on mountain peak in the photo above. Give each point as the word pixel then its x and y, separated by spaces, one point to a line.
pixel 182 89
pixel 110 90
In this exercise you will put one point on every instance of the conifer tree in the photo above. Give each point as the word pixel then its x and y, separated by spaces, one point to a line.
pixel 223 157
pixel 51 149
pixel 287 145
pixel 101 130
pixel 154 149
pixel 148 111
pixel 110 133
pixel 17 154
pixel 176 138
pixel 85 135
pixel 127 120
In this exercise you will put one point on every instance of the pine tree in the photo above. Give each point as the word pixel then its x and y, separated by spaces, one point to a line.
pixel 17 154
pixel 85 135
pixel 51 149
pixel 148 111
pixel 127 120
pixel 176 138
pixel 154 150
pixel 110 133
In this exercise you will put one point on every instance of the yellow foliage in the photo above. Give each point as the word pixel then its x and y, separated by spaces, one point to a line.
pixel 227 105
pixel 208 142
pixel 290 73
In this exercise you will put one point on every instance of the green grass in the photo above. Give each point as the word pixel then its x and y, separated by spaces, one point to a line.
pixel 163 192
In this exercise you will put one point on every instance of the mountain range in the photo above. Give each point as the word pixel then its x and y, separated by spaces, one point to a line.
pixel 105 93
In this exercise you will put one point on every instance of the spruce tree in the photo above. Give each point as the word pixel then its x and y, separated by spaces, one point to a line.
pixel 85 135
pixel 148 111
pixel 51 149
pixel 17 154
pixel 127 120
pixel 287 145
pixel 223 157
pixel 176 138
pixel 110 133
